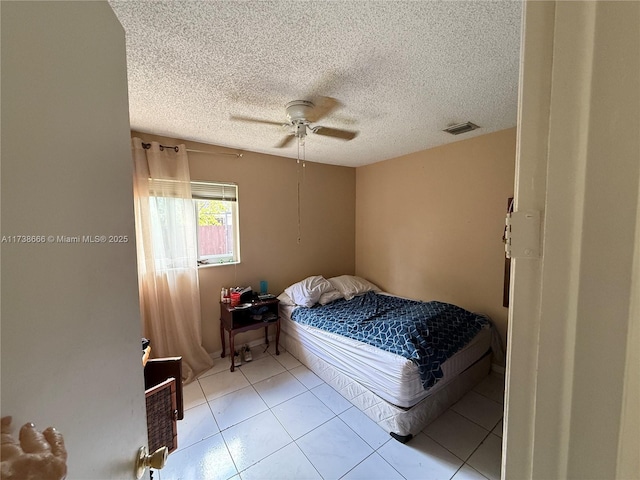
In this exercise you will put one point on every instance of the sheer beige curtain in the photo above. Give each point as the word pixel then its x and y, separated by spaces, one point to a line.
pixel 167 256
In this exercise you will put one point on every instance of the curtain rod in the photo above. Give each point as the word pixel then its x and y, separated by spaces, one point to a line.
pixel 147 146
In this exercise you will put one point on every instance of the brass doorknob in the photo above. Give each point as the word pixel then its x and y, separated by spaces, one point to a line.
pixel 156 460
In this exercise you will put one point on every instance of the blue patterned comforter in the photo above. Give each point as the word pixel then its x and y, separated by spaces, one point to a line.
pixel 426 333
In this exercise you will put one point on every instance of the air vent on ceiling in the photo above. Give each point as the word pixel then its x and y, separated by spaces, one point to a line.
pixel 461 128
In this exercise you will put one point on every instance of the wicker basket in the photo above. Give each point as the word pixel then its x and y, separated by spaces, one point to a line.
pixel 162 416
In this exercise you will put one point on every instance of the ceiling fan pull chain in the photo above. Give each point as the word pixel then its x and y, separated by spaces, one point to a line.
pixel 298 189
pixel 298 195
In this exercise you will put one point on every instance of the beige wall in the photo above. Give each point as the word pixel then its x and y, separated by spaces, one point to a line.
pixel 268 207
pixel 429 224
pixel 426 225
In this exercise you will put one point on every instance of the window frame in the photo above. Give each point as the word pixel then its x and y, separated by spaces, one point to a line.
pixel 224 191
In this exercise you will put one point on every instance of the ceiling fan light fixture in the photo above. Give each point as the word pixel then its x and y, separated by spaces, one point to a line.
pixel 299 130
pixel 300 115
pixel 460 128
pixel 298 109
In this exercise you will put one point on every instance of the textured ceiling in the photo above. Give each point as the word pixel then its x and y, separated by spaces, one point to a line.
pixel 402 71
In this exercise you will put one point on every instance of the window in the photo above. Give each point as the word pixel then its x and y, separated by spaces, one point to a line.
pixel 216 212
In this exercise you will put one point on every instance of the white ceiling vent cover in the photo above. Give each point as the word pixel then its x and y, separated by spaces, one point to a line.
pixel 461 128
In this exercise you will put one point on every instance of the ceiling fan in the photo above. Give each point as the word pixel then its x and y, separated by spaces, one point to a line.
pixel 300 115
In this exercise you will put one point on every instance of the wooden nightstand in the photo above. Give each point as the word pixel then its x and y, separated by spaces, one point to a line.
pixel 261 314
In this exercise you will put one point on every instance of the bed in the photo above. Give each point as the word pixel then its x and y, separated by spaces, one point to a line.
pixel 347 331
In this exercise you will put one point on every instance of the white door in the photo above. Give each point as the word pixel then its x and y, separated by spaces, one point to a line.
pixel 71 353
pixel 573 395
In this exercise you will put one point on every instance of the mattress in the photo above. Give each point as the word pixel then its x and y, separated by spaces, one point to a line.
pixel 391 377
pixel 401 423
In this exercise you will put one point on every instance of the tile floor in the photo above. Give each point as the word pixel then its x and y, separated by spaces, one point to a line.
pixel 273 419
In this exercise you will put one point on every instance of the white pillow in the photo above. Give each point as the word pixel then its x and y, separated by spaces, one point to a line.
pixel 330 296
pixel 307 292
pixel 285 299
pixel 351 286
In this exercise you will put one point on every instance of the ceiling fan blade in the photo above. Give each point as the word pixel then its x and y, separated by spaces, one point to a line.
pixel 334 132
pixel 255 120
pixel 322 106
pixel 285 141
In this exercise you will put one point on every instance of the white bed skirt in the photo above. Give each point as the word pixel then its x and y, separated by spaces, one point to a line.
pixel 402 422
